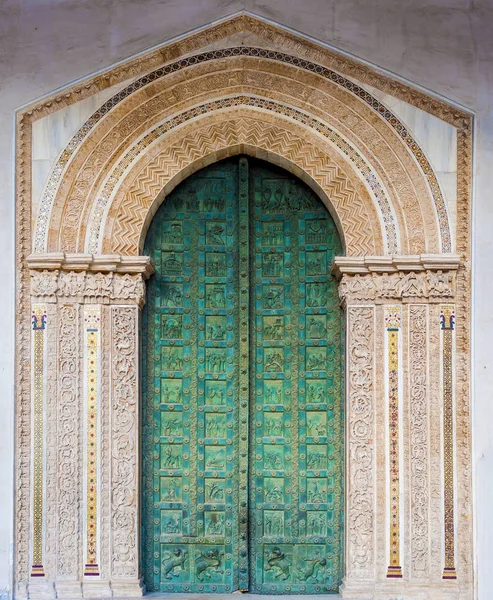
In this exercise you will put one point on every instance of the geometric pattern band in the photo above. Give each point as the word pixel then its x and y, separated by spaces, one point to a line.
pixel 393 325
pixel 92 332
pixel 447 325
pixel 38 321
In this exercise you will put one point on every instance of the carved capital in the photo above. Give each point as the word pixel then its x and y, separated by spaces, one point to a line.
pixel 89 279
pixel 378 288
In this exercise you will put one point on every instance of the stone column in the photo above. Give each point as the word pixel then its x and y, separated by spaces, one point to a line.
pixel 395 530
pixel 85 471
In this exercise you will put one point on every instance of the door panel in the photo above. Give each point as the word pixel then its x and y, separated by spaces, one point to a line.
pixel 191 400
pixel 242 416
pixel 296 441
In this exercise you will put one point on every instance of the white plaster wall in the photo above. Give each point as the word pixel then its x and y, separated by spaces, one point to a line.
pixel 446 46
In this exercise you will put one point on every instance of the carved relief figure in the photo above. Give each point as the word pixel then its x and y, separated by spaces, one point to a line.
pixel 208 562
pixel 173 562
pixel 279 562
pixel 311 567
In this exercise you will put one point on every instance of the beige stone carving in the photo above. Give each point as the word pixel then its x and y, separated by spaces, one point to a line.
pixel 378 288
pixel 419 440
pixel 124 446
pixel 82 286
pixel 82 184
pixel 69 432
pixel 139 203
pixel 360 405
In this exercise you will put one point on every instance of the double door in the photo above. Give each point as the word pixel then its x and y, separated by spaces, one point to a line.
pixel 242 435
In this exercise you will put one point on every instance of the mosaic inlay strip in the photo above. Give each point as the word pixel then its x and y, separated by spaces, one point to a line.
pixel 49 193
pixel 393 325
pixel 447 323
pixel 138 148
pixel 39 322
pixel 92 329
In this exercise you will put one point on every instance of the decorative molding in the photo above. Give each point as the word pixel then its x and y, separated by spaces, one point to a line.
pixel 447 326
pixel 363 265
pixel 125 454
pixel 453 282
pixel 360 432
pixel 273 35
pixel 392 317
pixel 110 263
pixel 69 440
pixel 419 440
pixel 408 287
pixel 358 220
pixel 360 93
pixel 92 375
pixel 366 170
pixel 39 325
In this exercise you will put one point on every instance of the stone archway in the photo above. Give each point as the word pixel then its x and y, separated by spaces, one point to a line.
pixel 81 287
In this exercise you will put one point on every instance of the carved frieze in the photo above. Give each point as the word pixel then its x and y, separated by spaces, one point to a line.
pixel 360 489
pixel 89 287
pixel 124 450
pixel 376 287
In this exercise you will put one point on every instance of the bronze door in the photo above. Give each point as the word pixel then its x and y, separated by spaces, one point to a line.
pixel 242 365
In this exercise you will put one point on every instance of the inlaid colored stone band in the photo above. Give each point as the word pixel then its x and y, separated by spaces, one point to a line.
pixel 39 323
pixel 393 325
pixel 92 319
pixel 447 323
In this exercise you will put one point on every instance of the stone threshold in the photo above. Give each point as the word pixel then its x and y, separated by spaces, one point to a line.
pixel 238 595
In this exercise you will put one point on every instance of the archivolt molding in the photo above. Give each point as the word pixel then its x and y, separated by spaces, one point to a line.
pixel 201 143
pixel 379 146
pixel 269 143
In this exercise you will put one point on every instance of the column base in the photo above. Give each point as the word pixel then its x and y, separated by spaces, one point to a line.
pixel 392 589
pixel 95 588
pixel 41 589
pixel 360 589
pixel 68 590
pixel 131 588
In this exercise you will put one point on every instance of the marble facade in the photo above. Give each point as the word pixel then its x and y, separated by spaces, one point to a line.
pixel 287 100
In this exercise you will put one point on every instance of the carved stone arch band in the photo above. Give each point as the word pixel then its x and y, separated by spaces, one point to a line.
pixel 194 146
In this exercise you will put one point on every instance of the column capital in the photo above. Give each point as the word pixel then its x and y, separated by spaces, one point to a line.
pixel 88 278
pixel 379 279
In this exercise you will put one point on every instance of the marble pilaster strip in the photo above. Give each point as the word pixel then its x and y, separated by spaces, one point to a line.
pixel 39 325
pixel 393 326
pixel 447 323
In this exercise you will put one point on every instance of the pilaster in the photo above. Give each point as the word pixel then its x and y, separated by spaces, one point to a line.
pixel 85 324
pixel 395 370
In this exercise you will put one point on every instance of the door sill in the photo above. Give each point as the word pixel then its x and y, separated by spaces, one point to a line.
pixel 237 596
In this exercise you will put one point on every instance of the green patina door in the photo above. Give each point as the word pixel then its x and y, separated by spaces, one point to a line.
pixel 243 384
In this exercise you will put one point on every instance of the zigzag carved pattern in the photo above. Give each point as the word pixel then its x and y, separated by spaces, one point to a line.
pixel 352 212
